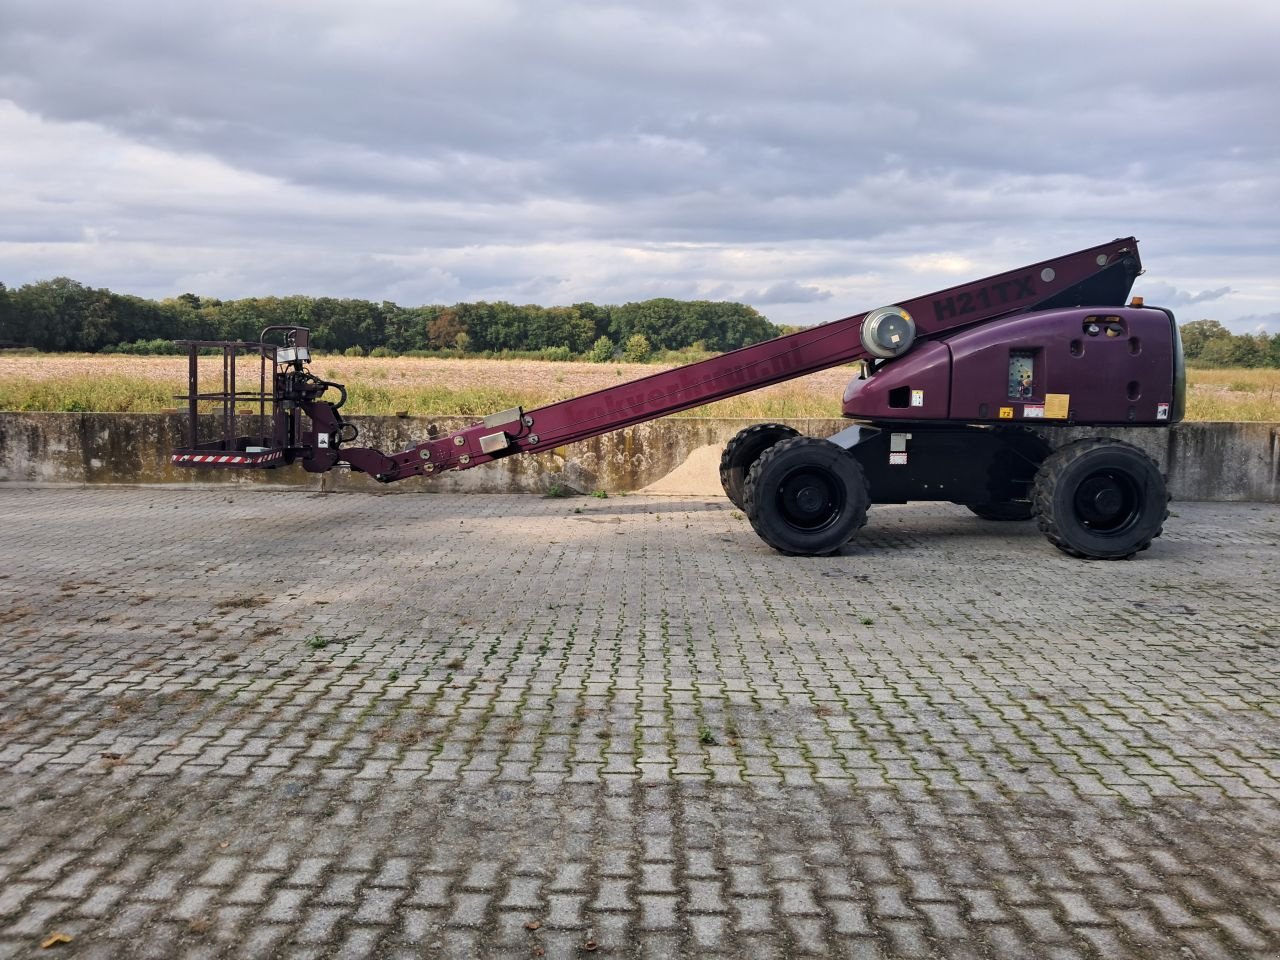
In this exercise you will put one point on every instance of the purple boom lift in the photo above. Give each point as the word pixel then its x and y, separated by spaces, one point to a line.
pixel 945 406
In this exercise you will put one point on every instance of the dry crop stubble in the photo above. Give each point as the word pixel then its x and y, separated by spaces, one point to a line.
pixel 436 387
pixel 378 385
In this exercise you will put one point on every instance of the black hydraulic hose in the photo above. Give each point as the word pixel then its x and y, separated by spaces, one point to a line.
pixel 312 378
pixel 341 389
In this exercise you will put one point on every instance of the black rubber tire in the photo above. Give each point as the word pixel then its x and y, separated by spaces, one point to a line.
pixel 1004 510
pixel 1101 499
pixel 806 496
pixel 744 450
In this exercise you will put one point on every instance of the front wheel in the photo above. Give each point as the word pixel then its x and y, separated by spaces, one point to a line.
pixel 806 496
pixel 1100 499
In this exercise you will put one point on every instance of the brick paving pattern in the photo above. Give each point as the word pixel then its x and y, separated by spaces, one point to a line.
pixel 250 724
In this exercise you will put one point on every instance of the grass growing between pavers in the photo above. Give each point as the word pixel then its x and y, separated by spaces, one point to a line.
pixel 537 732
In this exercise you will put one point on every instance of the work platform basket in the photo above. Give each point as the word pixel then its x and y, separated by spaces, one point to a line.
pixel 240 419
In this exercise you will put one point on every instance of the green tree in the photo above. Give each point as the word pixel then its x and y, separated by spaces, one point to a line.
pixel 637 349
pixel 52 314
pixel 398 324
pixel 134 318
pixel 187 317
pixel 566 327
pixel 339 324
pixel 739 325
pixel 595 315
pixel 533 328
pixel 676 324
pixel 61 314
pixel 508 326
pixel 1234 351
pixel 237 320
pixel 602 350
pixel 1197 333
pixel 7 329
pixel 652 319
pixel 477 320
pixel 420 322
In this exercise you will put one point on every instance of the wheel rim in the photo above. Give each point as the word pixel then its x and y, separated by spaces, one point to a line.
pixel 811 498
pixel 1108 502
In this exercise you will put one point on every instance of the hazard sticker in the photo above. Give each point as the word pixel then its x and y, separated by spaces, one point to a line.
pixel 917 398
pixel 1033 411
pixel 1057 406
pixel 898 459
pixel 1006 413
pixel 1162 411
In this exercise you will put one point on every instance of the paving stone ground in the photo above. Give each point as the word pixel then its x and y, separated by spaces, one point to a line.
pixel 250 724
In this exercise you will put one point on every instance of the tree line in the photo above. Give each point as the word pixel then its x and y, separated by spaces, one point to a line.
pixel 1207 343
pixel 63 315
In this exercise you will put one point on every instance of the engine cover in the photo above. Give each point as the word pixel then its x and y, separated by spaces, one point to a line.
pixel 1082 365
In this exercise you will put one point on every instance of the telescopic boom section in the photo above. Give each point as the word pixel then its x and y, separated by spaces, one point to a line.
pixel 1101 275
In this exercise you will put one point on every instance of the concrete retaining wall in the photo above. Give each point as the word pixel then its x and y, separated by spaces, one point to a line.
pixel 1204 461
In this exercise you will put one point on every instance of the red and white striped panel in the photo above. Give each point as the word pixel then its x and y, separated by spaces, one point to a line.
pixel 227 459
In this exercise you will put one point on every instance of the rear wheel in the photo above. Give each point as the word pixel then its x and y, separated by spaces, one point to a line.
pixel 806 496
pixel 744 450
pixel 1101 499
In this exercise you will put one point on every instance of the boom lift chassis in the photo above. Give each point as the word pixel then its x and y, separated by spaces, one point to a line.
pixel 940 410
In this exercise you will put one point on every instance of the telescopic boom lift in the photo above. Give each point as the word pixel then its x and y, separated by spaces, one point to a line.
pixel 944 408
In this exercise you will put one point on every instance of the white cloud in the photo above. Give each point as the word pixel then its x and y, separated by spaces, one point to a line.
pixel 1256 323
pixel 789 154
pixel 788 291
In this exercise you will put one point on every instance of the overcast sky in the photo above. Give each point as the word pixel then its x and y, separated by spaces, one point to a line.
pixel 811 158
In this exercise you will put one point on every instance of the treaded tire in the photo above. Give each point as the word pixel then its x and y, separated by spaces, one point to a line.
pixel 744 450
pixel 1100 499
pixel 806 496
pixel 1005 510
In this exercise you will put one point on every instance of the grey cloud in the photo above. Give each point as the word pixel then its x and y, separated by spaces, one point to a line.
pixel 1206 295
pixel 1256 323
pixel 1167 295
pixel 443 134
pixel 788 291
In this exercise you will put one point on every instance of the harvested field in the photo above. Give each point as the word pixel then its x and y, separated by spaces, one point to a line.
pixel 1233 394
pixel 418 386
pixel 422 386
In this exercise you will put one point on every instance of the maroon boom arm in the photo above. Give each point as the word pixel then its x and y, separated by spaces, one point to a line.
pixel 738 371
pixel 1101 274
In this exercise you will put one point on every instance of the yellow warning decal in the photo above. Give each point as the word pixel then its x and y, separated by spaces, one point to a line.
pixel 1056 405
pixel 1006 413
